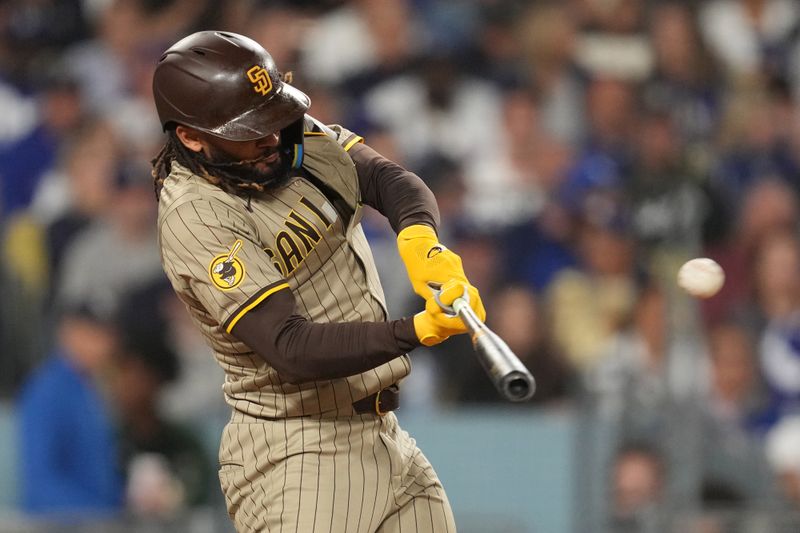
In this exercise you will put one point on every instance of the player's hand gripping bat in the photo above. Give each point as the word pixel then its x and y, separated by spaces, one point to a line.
pixel 507 372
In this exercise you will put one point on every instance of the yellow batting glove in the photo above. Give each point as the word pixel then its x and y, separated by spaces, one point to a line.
pixel 426 259
pixel 429 261
pixel 433 325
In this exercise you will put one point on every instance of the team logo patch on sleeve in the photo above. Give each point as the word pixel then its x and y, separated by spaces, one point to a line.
pixel 227 270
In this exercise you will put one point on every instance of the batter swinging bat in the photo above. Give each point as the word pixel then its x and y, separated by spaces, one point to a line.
pixel 507 372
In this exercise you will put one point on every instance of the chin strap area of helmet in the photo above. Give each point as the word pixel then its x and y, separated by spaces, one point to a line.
pixel 292 142
pixel 297 161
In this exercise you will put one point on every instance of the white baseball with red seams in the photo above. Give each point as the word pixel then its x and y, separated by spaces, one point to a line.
pixel 701 277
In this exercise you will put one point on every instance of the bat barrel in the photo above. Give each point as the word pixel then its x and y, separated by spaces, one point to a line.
pixel 509 375
pixel 517 386
pixel 507 372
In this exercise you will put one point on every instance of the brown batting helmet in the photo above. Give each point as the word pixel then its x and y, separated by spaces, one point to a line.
pixel 224 84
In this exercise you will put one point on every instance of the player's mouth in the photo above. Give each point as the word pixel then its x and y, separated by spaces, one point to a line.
pixel 270 158
pixel 265 163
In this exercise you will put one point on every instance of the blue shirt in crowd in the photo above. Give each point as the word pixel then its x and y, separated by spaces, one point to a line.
pixel 22 165
pixel 69 457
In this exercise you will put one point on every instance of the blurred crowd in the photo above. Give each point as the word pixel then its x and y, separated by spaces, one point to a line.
pixel 580 151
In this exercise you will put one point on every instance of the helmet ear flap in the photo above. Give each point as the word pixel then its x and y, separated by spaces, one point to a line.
pixel 292 142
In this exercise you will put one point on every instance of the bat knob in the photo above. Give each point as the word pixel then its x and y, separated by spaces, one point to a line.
pixel 459 303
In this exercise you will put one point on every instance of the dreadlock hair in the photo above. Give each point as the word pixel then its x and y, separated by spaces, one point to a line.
pixel 175 151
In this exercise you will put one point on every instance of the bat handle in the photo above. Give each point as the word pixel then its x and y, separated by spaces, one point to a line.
pixel 462 309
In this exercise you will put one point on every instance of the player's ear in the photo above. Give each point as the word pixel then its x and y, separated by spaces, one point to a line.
pixel 190 137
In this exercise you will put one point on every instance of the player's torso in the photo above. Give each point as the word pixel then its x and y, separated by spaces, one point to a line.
pixel 309 242
pixel 316 243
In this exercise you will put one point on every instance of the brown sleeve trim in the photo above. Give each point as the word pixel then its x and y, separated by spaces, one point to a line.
pixel 301 350
pixel 401 196
pixel 253 302
pixel 406 334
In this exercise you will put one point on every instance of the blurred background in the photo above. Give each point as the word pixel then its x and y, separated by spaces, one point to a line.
pixel 580 151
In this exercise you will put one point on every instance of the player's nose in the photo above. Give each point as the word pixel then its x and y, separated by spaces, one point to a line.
pixel 268 141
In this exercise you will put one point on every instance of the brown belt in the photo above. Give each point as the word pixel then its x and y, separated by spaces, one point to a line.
pixel 379 403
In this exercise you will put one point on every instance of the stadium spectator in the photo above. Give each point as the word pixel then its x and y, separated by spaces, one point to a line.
pixel 629 378
pixel 590 303
pixel 733 455
pixel 770 208
pixel 167 467
pixel 123 242
pixel 519 322
pixel 381 36
pixel 749 37
pixel 422 109
pixel 782 446
pixel 546 35
pixel 777 278
pixel 667 203
pixel 70 457
pixel 78 192
pixel 684 79
pixel 638 477
pixel 31 152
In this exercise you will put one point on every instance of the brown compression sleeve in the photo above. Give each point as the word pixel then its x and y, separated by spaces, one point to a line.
pixel 401 196
pixel 305 351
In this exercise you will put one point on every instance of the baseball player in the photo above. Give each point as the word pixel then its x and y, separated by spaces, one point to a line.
pixel 259 209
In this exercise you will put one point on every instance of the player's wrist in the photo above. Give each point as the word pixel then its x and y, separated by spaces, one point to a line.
pixel 406 334
pixel 416 231
pixel 427 331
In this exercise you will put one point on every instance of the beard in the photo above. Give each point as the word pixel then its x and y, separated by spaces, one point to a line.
pixel 271 175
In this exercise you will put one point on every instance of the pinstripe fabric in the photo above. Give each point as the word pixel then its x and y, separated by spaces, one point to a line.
pixel 296 457
pixel 361 474
pixel 335 281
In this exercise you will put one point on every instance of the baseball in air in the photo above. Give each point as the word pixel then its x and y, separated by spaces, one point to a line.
pixel 701 277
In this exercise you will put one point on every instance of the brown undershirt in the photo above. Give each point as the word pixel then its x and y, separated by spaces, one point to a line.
pixel 305 351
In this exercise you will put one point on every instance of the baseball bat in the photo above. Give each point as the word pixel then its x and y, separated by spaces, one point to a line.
pixel 506 371
pixel 236 246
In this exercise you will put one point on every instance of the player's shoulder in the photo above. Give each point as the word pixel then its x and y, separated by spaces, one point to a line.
pixel 186 193
pixel 315 131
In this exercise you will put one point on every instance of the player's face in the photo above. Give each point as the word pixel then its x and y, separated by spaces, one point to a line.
pixel 265 147
pixel 260 157
pixel 259 160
